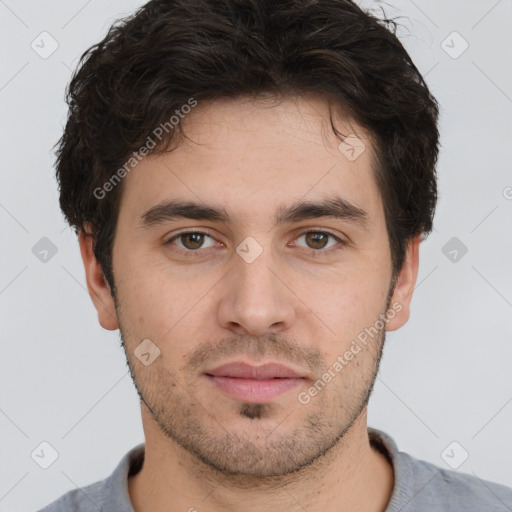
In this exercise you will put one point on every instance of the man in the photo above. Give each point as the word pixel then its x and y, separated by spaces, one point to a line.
pixel 250 182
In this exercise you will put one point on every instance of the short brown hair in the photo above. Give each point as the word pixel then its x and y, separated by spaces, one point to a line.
pixel 151 63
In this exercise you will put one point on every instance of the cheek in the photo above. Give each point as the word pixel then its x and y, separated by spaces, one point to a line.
pixel 144 298
pixel 346 305
pixel 167 306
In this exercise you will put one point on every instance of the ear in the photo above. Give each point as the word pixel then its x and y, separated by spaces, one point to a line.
pixel 99 289
pixel 402 294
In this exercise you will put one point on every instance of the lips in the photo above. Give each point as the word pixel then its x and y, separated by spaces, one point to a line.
pixel 254 384
pixel 239 370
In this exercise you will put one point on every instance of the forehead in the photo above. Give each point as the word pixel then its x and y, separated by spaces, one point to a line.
pixel 253 155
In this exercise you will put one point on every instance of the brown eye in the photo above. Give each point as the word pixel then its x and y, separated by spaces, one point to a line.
pixel 190 240
pixel 319 240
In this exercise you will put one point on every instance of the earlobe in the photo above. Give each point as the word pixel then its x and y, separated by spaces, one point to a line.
pixel 406 281
pixel 99 289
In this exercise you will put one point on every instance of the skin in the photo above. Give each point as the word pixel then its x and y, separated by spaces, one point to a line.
pixel 297 303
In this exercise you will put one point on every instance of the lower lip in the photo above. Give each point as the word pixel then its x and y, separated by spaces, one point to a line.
pixel 252 390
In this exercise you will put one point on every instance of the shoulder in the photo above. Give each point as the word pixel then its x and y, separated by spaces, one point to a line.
pixel 433 487
pixel 86 499
pixel 421 486
pixel 108 495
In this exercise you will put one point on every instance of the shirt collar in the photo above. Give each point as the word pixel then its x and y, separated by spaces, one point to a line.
pixel 116 496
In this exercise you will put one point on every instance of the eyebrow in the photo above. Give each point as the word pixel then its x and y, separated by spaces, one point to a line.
pixel 336 207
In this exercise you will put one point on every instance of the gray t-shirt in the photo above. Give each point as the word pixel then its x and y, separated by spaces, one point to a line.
pixel 419 486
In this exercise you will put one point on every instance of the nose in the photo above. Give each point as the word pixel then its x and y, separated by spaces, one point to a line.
pixel 256 298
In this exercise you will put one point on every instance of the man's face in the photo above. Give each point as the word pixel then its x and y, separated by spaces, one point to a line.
pixel 254 288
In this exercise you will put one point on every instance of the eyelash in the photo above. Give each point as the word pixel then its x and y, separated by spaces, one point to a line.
pixel 200 252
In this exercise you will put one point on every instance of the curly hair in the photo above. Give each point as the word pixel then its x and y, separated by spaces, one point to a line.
pixel 151 63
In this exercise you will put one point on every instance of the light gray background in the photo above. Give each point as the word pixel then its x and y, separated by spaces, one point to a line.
pixel 445 376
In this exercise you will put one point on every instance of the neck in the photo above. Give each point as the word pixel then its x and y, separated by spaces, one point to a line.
pixel 351 476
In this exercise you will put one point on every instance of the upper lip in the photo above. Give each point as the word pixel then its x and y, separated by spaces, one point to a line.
pixel 243 370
